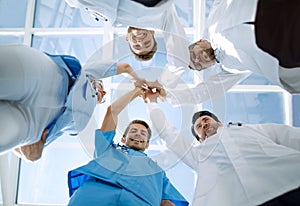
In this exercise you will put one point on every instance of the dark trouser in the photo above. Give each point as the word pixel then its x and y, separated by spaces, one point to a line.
pixel 277 30
pixel 149 3
pixel 291 198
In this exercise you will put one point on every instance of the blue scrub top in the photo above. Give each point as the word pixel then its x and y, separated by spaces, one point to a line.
pixel 126 168
pixel 81 101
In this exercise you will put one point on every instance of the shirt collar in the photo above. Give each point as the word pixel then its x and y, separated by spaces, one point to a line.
pixel 128 150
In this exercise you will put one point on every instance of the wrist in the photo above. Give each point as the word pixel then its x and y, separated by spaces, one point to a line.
pixel 137 91
pixel 152 100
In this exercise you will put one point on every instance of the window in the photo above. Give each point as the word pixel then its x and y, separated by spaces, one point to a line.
pixel 54 27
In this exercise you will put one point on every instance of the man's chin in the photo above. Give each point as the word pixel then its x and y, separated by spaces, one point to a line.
pixel 135 147
pixel 210 132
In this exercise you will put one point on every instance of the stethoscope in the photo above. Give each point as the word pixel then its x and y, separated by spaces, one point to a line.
pixel 97 15
pixel 94 87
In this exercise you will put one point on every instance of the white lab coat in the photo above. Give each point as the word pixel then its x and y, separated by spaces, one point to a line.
pixel 227 32
pixel 127 12
pixel 213 87
pixel 240 165
pixel 163 17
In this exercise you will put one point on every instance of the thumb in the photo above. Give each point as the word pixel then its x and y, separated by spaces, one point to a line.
pixel 44 135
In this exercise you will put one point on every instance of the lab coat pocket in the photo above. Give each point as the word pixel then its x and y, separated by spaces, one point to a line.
pixel 207 178
pixel 272 149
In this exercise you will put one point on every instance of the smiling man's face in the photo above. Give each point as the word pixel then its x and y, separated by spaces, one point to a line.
pixel 205 126
pixel 201 55
pixel 141 41
pixel 137 137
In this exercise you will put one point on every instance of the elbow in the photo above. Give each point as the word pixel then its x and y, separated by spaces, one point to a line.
pixel 123 68
pixel 110 111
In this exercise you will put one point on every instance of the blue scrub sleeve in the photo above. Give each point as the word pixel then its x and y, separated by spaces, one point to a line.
pixel 103 140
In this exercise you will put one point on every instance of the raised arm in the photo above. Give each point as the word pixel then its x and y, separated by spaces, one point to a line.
pixel 33 151
pixel 180 145
pixel 111 117
pixel 216 86
pixel 124 68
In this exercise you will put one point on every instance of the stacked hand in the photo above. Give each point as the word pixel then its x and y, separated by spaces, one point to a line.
pixel 151 90
pixel 33 151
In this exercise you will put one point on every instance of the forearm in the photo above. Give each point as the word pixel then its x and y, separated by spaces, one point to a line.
pixel 123 101
pixel 126 68
pixel 216 86
pixel 171 135
pixel 111 117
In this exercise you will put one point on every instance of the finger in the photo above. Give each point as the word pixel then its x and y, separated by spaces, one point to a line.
pixel 44 135
pixel 17 152
pixel 145 86
pixel 163 99
pixel 25 150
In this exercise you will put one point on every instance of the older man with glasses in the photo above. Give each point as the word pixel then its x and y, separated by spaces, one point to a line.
pixel 229 38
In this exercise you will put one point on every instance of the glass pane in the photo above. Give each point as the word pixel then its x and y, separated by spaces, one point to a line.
pixel 80 46
pixel 16 39
pixel 296 110
pixel 58 14
pixel 256 79
pixel 249 107
pixel 48 176
pixel 12 13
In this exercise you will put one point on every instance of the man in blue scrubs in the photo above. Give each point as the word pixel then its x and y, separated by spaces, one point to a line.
pixel 122 174
pixel 43 96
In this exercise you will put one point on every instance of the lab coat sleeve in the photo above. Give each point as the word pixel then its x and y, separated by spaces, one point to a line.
pixel 101 68
pixel 244 60
pixel 175 39
pixel 226 14
pixel 174 140
pixel 214 11
pixel 107 8
pixel 245 55
pixel 282 134
pixel 176 46
pixel 215 86
pixel 100 64
pixel 102 141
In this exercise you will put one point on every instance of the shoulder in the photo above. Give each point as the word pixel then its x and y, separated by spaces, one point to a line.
pixel 108 136
pixel 98 132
